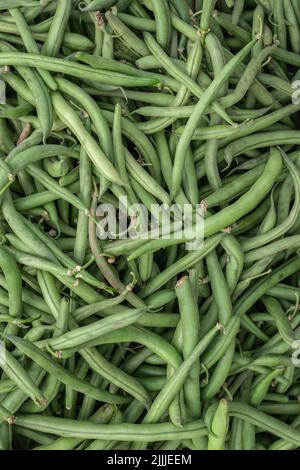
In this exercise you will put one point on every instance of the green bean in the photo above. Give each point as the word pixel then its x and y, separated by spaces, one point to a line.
pixel 290 409
pixel 259 391
pixel 14 370
pixel 39 33
pixel 19 161
pixel 53 186
pixel 93 150
pixel 232 213
pixel 264 421
pixel 119 156
pixel 7 386
pixel 55 34
pixel 13 281
pixel 163 22
pixel 280 26
pixel 153 98
pixel 237 11
pixel 34 436
pixel 95 5
pixel 87 333
pixel 18 3
pixel 130 40
pixel 281 321
pixel 231 189
pixel 206 16
pixel 119 432
pixel 222 343
pixel 144 179
pixel 142 24
pixel 289 221
pixel 14 400
pixel 219 288
pixel 259 124
pixel 73 69
pixel 80 246
pixel 219 427
pixel 166 395
pixel 176 409
pixel 102 416
pixel 40 92
pixel 263 285
pixel 264 139
pixel 49 266
pixel 150 102
pixel 192 69
pixel 240 33
pixel 176 73
pixel 218 378
pixel 208 97
pixel 186 262
pixel 56 253
pixel 99 120
pixel 141 141
pixel 62 374
pixel 51 385
pixel 84 312
pixel 5 415
pixel 115 375
pixel 30 43
pixel 190 332
pixel 157 344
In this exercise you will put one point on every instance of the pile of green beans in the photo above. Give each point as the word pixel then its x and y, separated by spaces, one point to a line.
pixel 135 343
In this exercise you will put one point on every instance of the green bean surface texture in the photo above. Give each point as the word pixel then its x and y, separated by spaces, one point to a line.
pixel 149 225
